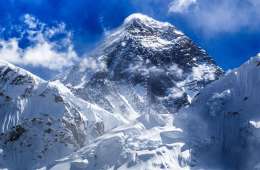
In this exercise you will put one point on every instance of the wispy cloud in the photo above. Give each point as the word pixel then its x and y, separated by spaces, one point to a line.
pixel 180 6
pixel 44 50
pixel 218 16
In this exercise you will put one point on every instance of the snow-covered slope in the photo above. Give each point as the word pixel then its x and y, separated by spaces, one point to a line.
pixel 224 120
pixel 143 62
pixel 150 143
pixel 218 131
pixel 42 121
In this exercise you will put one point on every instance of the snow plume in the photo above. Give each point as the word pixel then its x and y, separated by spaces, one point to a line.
pixel 93 64
pixel 203 71
pixel 178 71
pixel 49 46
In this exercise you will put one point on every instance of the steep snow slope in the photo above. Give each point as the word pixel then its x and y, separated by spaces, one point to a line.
pixel 42 121
pixel 143 62
pixel 224 120
pixel 219 131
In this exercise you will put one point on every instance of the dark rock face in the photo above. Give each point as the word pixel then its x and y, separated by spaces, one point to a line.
pixel 16 133
pixel 150 54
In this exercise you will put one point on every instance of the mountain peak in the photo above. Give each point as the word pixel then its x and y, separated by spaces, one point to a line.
pixel 139 17
pixel 145 31
pixel 4 64
pixel 176 66
pixel 145 20
pixel 11 72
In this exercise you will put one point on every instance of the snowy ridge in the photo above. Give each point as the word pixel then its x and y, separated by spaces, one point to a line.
pixel 42 121
pixel 224 121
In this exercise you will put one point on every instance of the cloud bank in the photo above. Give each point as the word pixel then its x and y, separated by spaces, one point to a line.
pixel 38 45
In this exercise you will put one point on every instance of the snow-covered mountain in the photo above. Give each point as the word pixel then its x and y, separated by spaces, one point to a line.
pixel 222 123
pixel 146 98
pixel 218 131
pixel 42 121
pixel 143 62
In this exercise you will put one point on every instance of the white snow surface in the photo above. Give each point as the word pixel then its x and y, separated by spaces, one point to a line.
pixel 223 121
pixel 219 131
pixel 42 121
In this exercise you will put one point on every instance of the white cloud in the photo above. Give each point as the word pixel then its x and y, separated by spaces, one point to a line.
pixel 42 52
pixel 10 51
pixel 52 59
pixel 30 21
pixel 212 17
pixel 180 6
pixel 92 64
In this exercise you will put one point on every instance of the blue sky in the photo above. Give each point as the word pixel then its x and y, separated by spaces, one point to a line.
pixel 46 36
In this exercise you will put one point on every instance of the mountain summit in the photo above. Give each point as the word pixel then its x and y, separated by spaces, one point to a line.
pixel 154 62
